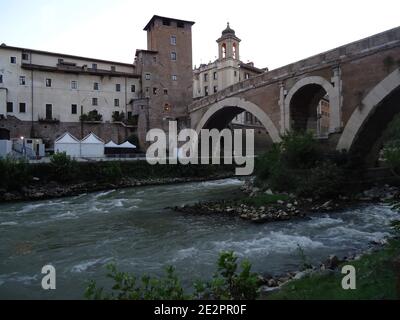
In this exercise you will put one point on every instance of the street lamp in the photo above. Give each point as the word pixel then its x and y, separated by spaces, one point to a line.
pixel 23 146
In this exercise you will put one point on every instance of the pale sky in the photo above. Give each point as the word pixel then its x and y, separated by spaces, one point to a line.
pixel 274 33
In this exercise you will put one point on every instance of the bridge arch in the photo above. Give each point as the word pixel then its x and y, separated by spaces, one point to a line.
pixel 377 109
pixel 314 83
pixel 236 106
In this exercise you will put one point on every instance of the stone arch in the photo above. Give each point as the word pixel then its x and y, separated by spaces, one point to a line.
pixel 246 106
pixel 360 116
pixel 334 100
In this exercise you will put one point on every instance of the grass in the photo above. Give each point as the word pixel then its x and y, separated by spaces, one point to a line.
pixel 377 278
pixel 264 200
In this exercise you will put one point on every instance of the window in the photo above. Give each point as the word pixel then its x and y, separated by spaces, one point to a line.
pixel 165 92
pixel 116 102
pixel 113 68
pixel 174 77
pixel 96 86
pixel 74 84
pixel 129 114
pixel 48 83
pixel 173 56
pixel 95 101
pixel 22 107
pixel 74 109
pixel 22 80
pixel 206 91
pixel 10 107
pixel 1 78
pixel 118 87
pixel 148 76
pixel 167 107
pixel 173 40
pixel 215 76
pixel 155 91
pixel 94 66
pixel 155 59
pixel 247 76
pixel 133 88
pixel 166 22
pixel 235 74
pixel 206 77
pixel 13 60
pixel 215 89
pixel 180 25
pixel 25 56
pixel 234 51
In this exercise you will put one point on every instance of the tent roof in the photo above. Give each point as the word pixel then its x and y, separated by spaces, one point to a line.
pixel 127 145
pixel 111 144
pixel 92 139
pixel 67 138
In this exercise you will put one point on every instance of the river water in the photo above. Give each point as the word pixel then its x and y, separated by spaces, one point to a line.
pixel 131 227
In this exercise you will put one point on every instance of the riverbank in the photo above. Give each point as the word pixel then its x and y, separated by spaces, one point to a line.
pixel 53 190
pixel 64 177
pixel 377 278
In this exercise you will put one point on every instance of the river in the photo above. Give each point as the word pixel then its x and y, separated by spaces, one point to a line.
pixel 131 227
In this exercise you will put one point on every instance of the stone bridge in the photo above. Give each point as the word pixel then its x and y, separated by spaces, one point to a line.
pixel 361 79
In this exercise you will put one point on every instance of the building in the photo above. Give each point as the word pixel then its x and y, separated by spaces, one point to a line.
pixel 44 94
pixel 227 70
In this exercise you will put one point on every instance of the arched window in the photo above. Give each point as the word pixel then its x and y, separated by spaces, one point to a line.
pixel 234 51
pixel 223 50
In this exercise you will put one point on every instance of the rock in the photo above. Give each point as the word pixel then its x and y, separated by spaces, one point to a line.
pixel 269 192
pixel 280 202
pixel 272 283
pixel 326 205
pixel 332 263
pixel 35 179
pixel 301 275
pixel 289 206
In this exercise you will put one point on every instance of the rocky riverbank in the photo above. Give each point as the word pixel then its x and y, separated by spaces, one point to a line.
pixel 40 191
pixel 331 266
pixel 262 206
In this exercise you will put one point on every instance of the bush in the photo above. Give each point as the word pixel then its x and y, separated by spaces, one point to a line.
pixel 111 172
pixel 322 181
pixel 227 284
pixel 298 165
pixel 15 174
pixel 128 287
pixel 63 168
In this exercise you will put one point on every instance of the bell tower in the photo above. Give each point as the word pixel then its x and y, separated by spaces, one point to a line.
pixel 228 45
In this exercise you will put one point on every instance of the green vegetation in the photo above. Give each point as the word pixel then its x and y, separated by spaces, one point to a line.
pixel 92 116
pixel 377 275
pixel 228 283
pixel 15 174
pixel 62 167
pixel 264 199
pixel 298 165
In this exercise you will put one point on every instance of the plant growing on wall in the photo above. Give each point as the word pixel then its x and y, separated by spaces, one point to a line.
pixel 93 115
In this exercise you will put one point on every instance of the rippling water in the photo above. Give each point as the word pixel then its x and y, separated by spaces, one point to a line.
pixel 131 227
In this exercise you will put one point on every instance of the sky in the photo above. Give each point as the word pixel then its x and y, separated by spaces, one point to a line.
pixel 274 33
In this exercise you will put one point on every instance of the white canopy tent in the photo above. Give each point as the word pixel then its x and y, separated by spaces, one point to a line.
pixel 127 145
pixel 69 144
pixel 92 147
pixel 111 144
